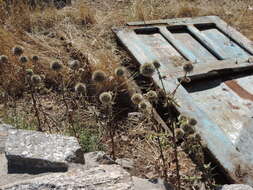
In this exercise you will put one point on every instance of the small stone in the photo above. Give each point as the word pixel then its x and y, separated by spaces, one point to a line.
pixel 126 163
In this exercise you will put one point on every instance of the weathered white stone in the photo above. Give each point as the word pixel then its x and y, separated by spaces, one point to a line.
pixel 236 187
pixel 103 177
pixel 36 150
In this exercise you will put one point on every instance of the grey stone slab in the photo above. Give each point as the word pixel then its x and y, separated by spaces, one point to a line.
pixel 103 177
pixel 236 187
pixel 31 151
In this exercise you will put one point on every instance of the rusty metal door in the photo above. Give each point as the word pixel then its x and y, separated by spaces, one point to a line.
pixel 220 95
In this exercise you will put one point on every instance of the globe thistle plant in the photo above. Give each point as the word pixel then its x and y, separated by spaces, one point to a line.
pixel 80 88
pixel 156 64
pixel 120 71
pixel 56 66
pixel 17 50
pixel 105 98
pixel 99 76
pixel 192 121
pixel 35 79
pixel 143 105
pixel 136 98
pixel 152 96
pixel 29 72
pixel 187 128
pixel 179 133
pixel 35 58
pixel 3 59
pixel 188 67
pixel 74 65
pixel 147 69
pixel 23 59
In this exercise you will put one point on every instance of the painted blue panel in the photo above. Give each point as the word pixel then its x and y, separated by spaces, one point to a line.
pixel 229 47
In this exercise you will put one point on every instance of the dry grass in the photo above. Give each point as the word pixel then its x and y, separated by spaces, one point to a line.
pixel 83 32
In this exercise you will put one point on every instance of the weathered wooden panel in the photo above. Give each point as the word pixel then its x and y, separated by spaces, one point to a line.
pixel 220 95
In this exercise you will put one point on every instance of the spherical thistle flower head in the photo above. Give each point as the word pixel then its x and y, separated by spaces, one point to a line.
pixel 147 69
pixel 191 138
pixel 182 118
pixel 56 66
pixel 74 65
pixel 152 96
pixel 80 88
pixel 179 133
pixel 136 98
pixel 29 72
pixel 187 79
pixel 143 105
pixel 188 67
pixel 192 121
pixel 17 50
pixel 23 59
pixel 3 59
pixel 99 76
pixel 35 58
pixel 156 64
pixel 120 71
pixel 197 137
pixel 187 129
pixel 105 98
pixel 35 79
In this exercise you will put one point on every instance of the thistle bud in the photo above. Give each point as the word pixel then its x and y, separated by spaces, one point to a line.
pixel 35 79
pixel 99 76
pixel 3 59
pixel 17 50
pixel 56 66
pixel 23 59
pixel 120 71
pixel 188 67
pixel 105 98
pixel 152 96
pixel 147 69
pixel 80 88
pixel 136 98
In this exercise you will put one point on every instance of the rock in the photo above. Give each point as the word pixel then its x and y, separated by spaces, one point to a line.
pixel 126 163
pixel 32 151
pixel 110 177
pixel 93 159
pixel 140 184
pixel 236 187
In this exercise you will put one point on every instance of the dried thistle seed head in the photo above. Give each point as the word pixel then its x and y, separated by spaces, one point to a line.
pixel 152 96
pixel 147 69
pixel 35 58
pixel 23 59
pixel 56 66
pixel 188 67
pixel 74 65
pixel 120 71
pixel 136 98
pixel 17 50
pixel 182 118
pixel 80 88
pixel 3 59
pixel 187 79
pixel 191 138
pixel 179 133
pixel 192 121
pixel 187 129
pixel 197 137
pixel 156 64
pixel 29 72
pixel 143 105
pixel 35 79
pixel 99 76
pixel 105 98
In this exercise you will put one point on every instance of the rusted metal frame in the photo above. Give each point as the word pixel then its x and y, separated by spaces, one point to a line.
pixel 233 34
pixel 178 45
pixel 205 41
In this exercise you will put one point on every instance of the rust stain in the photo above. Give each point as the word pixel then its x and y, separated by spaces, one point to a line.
pixel 233 106
pixel 239 90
